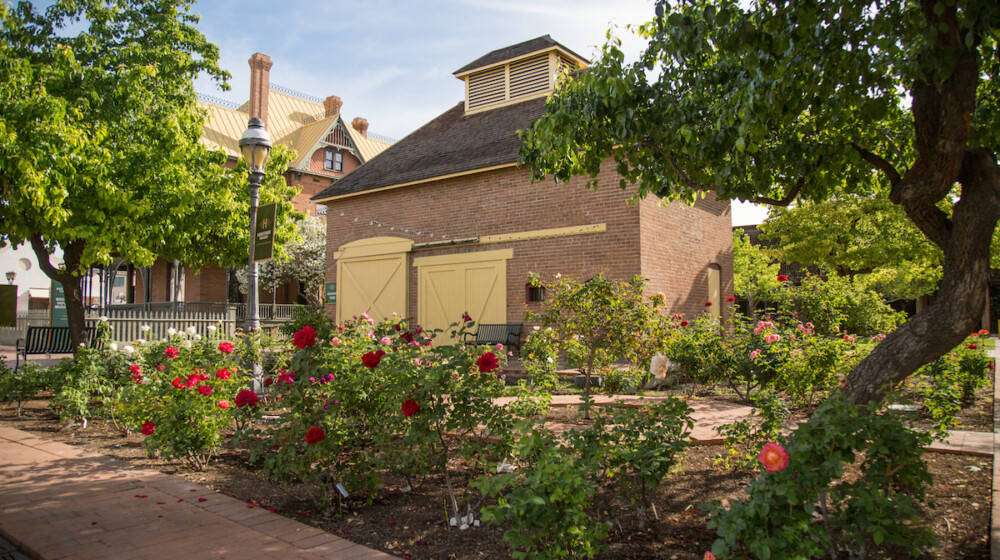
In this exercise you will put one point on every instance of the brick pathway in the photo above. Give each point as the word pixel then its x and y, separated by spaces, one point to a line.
pixel 59 501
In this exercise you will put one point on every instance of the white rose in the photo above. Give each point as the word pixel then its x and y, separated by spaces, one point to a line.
pixel 212 328
pixel 191 331
pixel 187 343
pixel 141 341
pixel 102 319
pixel 197 337
pixel 144 328
pixel 658 366
pixel 146 380
pixel 129 350
pixel 113 346
pixel 171 331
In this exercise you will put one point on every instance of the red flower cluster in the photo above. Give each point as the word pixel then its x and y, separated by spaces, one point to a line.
pixel 226 347
pixel 148 428
pixel 246 397
pixel 782 278
pixel 972 347
pixel 305 338
pixel 488 362
pixel 178 382
pixel 194 379
pixel 223 374
pixel 731 298
pixel 410 407
pixel 708 304
pixel 136 373
pixel 171 352
pixel 684 323
pixel 406 336
pixel 205 390
pixel 315 435
pixel 286 377
pixel 371 360
pixel 223 404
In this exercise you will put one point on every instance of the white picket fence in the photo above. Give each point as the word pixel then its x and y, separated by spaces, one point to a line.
pixel 129 325
pixel 37 317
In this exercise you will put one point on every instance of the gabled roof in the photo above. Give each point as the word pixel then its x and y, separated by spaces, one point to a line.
pixel 294 122
pixel 514 51
pixel 453 143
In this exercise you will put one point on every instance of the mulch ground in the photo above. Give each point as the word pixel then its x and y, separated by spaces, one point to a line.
pixel 414 524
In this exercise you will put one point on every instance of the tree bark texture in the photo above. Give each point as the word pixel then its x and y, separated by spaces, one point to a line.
pixel 942 115
pixel 70 278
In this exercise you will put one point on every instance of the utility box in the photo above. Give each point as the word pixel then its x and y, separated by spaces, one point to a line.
pixel 8 305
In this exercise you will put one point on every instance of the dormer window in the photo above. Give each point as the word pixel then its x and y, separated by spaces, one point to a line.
pixel 333 160
pixel 517 73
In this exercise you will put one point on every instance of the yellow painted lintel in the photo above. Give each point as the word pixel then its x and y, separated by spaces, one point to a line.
pixel 517 236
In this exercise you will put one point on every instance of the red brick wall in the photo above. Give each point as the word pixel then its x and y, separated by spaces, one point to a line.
pixel 505 201
pixel 679 243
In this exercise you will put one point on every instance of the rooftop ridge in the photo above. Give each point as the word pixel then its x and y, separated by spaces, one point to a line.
pixel 381 138
pixel 224 103
pixel 295 93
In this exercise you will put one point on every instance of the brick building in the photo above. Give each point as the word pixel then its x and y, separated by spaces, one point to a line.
pixel 327 149
pixel 445 222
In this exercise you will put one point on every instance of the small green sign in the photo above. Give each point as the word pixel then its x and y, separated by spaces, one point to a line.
pixel 57 306
pixel 331 292
pixel 263 243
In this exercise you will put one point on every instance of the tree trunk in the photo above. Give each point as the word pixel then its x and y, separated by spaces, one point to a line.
pixel 958 306
pixel 69 277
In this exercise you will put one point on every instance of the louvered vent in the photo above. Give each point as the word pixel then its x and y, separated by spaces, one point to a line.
pixel 566 65
pixel 487 87
pixel 529 76
pixel 338 137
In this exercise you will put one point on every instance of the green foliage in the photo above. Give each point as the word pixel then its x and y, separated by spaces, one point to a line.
pixel 745 438
pixel 776 520
pixel 620 381
pixel 545 503
pixel 539 355
pixel 599 321
pixel 839 305
pixel 755 274
pixel 82 385
pixel 20 387
pixel 858 234
pixel 950 383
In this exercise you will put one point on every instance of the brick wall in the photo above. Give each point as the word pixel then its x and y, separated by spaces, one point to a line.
pixel 505 201
pixel 679 243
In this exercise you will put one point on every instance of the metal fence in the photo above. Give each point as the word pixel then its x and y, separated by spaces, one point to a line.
pixel 128 325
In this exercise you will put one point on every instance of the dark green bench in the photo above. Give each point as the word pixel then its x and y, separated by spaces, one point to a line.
pixel 507 334
pixel 49 340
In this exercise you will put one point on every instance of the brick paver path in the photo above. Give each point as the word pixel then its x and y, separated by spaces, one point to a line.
pixel 59 501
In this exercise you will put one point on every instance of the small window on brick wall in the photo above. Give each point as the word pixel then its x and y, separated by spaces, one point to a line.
pixel 535 293
pixel 333 160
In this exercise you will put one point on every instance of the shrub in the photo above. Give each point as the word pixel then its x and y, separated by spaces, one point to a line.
pixel 745 438
pixel 776 520
pixel 837 305
pixel 23 386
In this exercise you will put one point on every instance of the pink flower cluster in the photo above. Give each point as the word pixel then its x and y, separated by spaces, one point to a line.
pixel 806 329
pixel 772 338
pixel 762 326
pixel 754 354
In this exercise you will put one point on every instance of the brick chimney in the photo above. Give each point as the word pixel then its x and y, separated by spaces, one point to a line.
pixel 332 105
pixel 361 125
pixel 260 84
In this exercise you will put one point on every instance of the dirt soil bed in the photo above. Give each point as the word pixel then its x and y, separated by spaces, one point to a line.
pixel 413 524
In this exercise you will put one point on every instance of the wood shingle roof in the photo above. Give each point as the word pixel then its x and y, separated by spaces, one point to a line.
pixel 452 143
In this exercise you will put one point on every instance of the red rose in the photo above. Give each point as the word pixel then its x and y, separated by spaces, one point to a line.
pixel 135 369
pixel 410 407
pixel 205 390
pixel 488 362
pixel 226 347
pixel 223 374
pixel 371 359
pixel 178 382
pixel 314 435
pixel 406 336
pixel 160 368
pixel 466 318
pixel 246 397
pixel 268 382
pixel 305 338
pixel 171 352
pixel 684 323
pixel 223 404
pixel 774 457
pixel 731 298
pixel 782 278
pixel 148 428
pixel 972 347
pixel 708 304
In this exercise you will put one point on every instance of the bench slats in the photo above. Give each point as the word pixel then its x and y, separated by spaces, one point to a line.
pixel 506 334
pixel 50 340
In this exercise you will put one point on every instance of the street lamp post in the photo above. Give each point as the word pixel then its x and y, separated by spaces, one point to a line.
pixel 255 145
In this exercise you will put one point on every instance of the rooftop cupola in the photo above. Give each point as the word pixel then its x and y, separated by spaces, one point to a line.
pixel 516 73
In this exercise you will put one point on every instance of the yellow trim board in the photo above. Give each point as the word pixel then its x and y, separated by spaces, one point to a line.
pixel 420 181
pixel 544 233
pixel 374 246
pixel 458 258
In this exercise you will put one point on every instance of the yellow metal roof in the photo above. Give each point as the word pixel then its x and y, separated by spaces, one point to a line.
pixel 293 122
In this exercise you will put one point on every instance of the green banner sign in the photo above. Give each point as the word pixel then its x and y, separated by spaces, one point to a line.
pixel 57 306
pixel 331 292
pixel 263 243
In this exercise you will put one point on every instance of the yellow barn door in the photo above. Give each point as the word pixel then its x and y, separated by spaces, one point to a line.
pixel 373 278
pixel 450 285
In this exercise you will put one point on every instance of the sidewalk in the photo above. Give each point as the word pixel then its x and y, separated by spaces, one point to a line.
pixel 59 501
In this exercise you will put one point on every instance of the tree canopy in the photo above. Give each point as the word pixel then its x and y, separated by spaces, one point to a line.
pixel 99 141
pixel 800 101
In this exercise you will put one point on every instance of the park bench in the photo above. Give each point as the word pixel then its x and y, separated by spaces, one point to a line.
pixel 49 340
pixel 507 334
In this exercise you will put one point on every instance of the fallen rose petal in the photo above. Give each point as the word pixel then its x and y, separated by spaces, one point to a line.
pixel 180 500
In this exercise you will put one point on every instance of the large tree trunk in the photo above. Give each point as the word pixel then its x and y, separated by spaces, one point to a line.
pixel 942 117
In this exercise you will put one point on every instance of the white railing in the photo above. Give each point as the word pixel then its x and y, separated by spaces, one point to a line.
pixel 128 325
pixel 36 317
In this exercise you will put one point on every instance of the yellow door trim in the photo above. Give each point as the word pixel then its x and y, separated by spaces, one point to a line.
pixel 464 258
pixel 372 246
